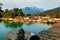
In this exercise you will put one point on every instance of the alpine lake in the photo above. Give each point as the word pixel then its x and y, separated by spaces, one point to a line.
pixel 35 28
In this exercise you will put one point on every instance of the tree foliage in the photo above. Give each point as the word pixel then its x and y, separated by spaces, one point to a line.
pixel 53 13
pixel 1 9
pixel 1 6
pixel 21 35
pixel 13 13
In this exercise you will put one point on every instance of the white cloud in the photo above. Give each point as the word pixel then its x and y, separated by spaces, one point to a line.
pixel 46 4
pixel 12 1
pixel 27 1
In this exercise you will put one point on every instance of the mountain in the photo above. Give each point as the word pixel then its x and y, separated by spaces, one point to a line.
pixel 52 12
pixel 32 10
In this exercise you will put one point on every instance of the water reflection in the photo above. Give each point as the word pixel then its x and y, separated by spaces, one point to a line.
pixel 12 24
pixel 5 27
pixel 28 23
pixel 36 27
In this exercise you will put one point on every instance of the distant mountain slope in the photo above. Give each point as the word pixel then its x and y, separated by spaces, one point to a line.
pixel 31 10
pixel 52 12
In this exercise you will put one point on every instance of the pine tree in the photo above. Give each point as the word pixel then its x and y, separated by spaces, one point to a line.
pixel 21 35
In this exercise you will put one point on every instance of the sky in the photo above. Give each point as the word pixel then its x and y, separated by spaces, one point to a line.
pixel 44 4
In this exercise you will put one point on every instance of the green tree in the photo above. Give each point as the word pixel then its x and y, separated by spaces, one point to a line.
pixel 20 13
pixel 21 35
pixel 15 11
pixel 28 14
pixel 1 9
pixel 5 13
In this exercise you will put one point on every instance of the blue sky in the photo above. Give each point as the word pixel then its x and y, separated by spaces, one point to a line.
pixel 45 4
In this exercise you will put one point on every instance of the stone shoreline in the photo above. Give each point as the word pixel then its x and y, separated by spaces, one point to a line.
pixel 31 19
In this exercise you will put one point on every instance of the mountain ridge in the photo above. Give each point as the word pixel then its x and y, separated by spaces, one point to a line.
pixel 32 10
pixel 55 12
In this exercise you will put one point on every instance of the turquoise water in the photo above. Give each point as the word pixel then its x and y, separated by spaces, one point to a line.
pixel 35 28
